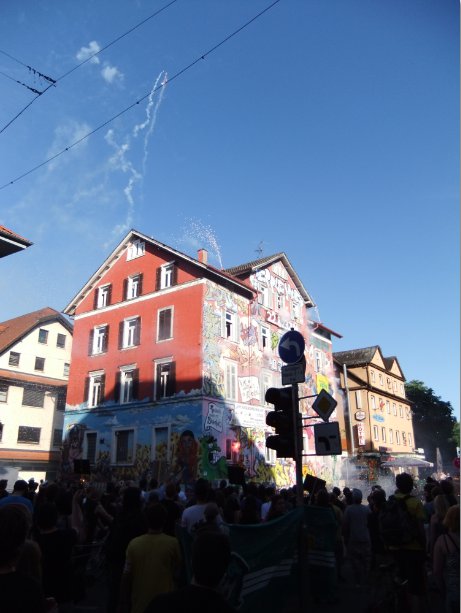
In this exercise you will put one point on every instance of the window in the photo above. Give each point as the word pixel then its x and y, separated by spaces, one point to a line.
pixel 318 361
pixel 161 444
pixel 404 438
pixel 394 408
pixel 89 446
pixel 401 410
pixel 103 296
pixel 65 372
pixel 33 397
pixel 3 392
pixel 166 276
pixel 1 431
pixel 124 446
pixel 95 393
pixel 28 435
pixel 380 377
pixel 43 336
pixel 135 250
pixel 264 296
pixel 358 399
pixel 389 384
pixel 165 384
pixel 391 436
pixel 402 388
pixel 61 401
pixel 57 437
pixel 165 324
pixel 383 434
pixel 230 326
pixel 133 287
pixel 372 376
pixel 13 360
pixel 40 364
pixel 408 412
pixel 410 444
pixel 373 402
pixel 295 310
pixel 61 341
pixel 265 385
pixel 397 437
pixel 230 380
pixel 265 338
pixel 280 301
pixel 130 332
pixel 127 384
pixel 375 433
pixel 388 407
pixel 99 339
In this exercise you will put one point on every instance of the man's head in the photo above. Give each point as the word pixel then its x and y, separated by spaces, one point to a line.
pixel 20 487
pixel 357 496
pixel 156 516
pixel 404 483
pixel 14 527
pixel 201 489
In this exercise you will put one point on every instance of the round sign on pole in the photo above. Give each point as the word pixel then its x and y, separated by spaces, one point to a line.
pixel 291 347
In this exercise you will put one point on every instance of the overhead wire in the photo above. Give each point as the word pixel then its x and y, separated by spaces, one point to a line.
pixel 33 70
pixel 35 91
pixel 128 108
pixel 53 82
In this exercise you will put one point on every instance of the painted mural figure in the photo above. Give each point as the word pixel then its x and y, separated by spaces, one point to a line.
pixel 187 458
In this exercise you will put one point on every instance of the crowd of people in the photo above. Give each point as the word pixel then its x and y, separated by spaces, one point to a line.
pixel 46 529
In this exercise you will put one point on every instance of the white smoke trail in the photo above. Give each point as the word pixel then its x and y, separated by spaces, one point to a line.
pixel 201 235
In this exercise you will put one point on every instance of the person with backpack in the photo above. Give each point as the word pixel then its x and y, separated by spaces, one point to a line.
pixel 402 530
pixel 446 560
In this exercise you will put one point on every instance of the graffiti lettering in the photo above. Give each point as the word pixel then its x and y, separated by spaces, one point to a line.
pixel 249 388
pixel 214 418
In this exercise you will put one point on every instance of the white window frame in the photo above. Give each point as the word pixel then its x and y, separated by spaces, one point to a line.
pixel 99 339
pixel 161 426
pixel 4 387
pixel 158 384
pixel 388 407
pixel 372 376
pixel 270 455
pixel 114 446
pixel 170 336
pixel 391 436
pixel 135 250
pixel 266 383
pixel 373 402
pixel 280 301
pixel 375 433
pixel 130 326
pixel 231 380
pixel 66 369
pixel 264 296
pixel 132 287
pixel 410 443
pixel 394 409
pixel 400 411
pixel 380 378
pixel 94 388
pixel 295 310
pixel 383 433
pixel 230 326
pixel 397 437
pixel 265 338
pixel 404 438
pixel 166 275
pixel 126 383
pixel 85 445
pixel 103 296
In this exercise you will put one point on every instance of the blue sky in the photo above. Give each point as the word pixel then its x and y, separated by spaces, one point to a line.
pixel 327 130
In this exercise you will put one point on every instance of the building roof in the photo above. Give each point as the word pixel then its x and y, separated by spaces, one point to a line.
pixel 10 242
pixel 28 378
pixel 356 357
pixel 219 276
pixel 12 330
pixel 249 268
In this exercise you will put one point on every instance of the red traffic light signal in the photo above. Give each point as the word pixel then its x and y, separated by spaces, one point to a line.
pixel 283 442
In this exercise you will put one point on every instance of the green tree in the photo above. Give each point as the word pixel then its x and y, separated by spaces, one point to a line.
pixel 433 422
pixel 456 433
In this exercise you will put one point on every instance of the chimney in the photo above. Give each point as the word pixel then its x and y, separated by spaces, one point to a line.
pixel 203 256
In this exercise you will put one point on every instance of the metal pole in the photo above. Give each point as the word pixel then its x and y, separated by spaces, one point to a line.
pixel 348 409
pixel 297 429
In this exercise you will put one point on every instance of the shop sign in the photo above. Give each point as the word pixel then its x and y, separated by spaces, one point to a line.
pixel 361 434
pixel 379 418
pixel 360 415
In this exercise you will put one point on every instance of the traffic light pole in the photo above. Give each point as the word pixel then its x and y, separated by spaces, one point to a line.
pixel 298 446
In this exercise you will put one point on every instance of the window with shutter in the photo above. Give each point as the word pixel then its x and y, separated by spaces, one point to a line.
pixel 164 324
pixel 124 446
pixel 13 359
pixel 103 294
pixel 100 339
pixel 3 392
pixel 90 446
pixel 167 275
pixel 230 380
pixel 95 389
pixel 57 437
pixel 33 397
pixel 40 364
pixel 165 380
pixel 28 435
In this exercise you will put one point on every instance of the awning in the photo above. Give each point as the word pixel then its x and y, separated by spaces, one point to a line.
pixel 404 462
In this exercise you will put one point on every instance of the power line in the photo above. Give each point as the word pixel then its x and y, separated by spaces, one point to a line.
pixel 128 108
pixel 53 82
pixel 35 91
pixel 33 70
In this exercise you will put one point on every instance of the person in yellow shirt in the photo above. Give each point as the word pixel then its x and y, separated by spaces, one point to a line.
pixel 152 564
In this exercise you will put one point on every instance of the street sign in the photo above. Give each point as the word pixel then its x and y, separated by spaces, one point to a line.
pixel 324 405
pixel 327 439
pixel 293 373
pixel 291 347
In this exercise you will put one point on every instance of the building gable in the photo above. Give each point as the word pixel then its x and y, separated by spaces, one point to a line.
pixel 377 359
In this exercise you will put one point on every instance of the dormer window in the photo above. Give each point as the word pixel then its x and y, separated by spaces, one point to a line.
pixel 135 250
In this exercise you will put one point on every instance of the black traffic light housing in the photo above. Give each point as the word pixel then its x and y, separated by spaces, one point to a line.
pixel 282 420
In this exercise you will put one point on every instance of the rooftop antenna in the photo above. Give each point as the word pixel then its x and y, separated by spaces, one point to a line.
pixel 259 249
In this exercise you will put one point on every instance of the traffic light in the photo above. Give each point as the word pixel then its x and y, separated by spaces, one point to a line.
pixel 283 441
